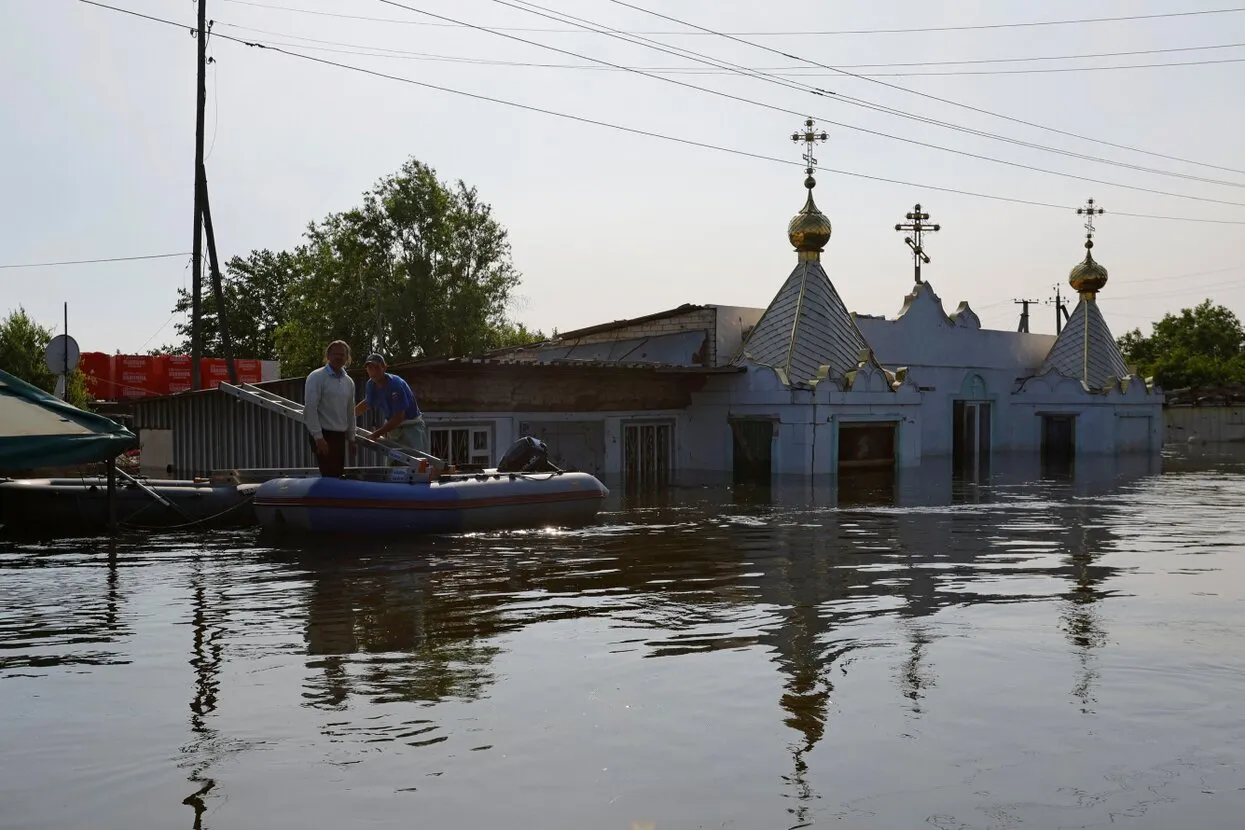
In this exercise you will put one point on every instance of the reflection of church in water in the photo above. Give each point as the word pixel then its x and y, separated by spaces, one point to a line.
pixel 834 611
pixel 404 632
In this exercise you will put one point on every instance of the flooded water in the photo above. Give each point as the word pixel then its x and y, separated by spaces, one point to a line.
pixel 1020 652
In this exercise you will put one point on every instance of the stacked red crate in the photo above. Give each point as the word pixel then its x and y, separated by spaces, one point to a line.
pixel 97 367
pixel 249 371
pixel 212 370
pixel 139 376
pixel 177 368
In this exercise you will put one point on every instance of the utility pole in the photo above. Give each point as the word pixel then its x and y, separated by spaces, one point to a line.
pixel 1061 310
pixel 196 289
pixel 218 290
pixel 1024 314
pixel 915 224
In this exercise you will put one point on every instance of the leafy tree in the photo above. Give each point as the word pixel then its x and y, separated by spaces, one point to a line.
pixel 428 256
pixel 1201 346
pixel 509 335
pixel 255 291
pixel 23 343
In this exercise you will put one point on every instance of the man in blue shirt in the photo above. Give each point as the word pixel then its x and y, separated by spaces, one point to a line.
pixel 393 398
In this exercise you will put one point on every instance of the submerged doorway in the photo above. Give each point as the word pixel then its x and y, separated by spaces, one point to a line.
pixel 866 446
pixel 1058 444
pixel 970 441
pixel 752 443
pixel 648 448
pixel 866 463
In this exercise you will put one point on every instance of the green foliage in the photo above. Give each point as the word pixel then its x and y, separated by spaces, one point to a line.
pixel 23 343
pixel 1201 346
pixel 428 256
pixel 255 289
pixel 512 335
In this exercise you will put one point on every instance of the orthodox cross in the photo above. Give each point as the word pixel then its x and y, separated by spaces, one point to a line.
pixel 809 137
pixel 916 224
pixel 1088 211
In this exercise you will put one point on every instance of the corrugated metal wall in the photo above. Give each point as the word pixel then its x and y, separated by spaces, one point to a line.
pixel 215 431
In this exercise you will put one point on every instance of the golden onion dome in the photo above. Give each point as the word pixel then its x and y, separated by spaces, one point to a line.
pixel 1088 277
pixel 809 230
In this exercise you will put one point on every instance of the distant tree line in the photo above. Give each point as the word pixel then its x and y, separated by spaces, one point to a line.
pixel 1200 346
pixel 424 256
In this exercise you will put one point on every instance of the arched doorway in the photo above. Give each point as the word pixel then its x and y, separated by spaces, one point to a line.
pixel 971 421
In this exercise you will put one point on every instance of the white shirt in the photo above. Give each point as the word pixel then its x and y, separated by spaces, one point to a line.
pixel 328 402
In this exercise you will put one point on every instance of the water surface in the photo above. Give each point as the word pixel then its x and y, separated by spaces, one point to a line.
pixel 1016 652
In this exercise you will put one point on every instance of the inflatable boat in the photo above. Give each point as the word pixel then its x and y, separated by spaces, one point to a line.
pixel 451 504
pixel 525 490
pixel 65 505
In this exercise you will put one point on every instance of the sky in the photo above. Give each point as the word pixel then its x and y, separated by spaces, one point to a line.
pixel 98 148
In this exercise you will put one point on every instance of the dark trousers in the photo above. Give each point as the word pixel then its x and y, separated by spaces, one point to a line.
pixel 333 463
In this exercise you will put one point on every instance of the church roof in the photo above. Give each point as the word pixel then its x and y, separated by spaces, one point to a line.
pixel 805 327
pixel 1085 348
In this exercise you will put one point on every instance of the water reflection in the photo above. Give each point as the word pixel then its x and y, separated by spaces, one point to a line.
pixel 396 631
pixel 386 636
pixel 84 622
pixel 207 654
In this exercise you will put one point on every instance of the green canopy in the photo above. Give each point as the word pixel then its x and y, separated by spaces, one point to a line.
pixel 40 430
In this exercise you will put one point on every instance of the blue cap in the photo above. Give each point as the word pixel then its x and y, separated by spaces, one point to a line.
pixel 374 358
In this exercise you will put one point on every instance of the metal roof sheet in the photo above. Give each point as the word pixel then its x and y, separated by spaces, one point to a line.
pixel 805 327
pixel 1085 349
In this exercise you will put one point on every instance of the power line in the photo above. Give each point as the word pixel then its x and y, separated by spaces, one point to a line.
pixel 647 133
pixel 761 75
pixel 92 261
pixel 966 28
pixel 785 71
pixel 364 50
pixel 923 94
pixel 786 111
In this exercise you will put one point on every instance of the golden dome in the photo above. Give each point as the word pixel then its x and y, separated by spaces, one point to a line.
pixel 1088 277
pixel 809 230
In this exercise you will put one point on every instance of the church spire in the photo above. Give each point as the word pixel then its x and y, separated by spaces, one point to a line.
pixel 1085 349
pixel 1088 277
pixel 809 230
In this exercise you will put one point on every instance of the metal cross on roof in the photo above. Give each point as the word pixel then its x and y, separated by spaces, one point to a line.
pixel 809 137
pixel 1088 211
pixel 916 224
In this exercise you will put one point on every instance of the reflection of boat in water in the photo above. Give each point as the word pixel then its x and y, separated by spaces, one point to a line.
pixel 524 490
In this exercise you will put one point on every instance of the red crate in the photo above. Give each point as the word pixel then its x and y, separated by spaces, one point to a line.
pixel 97 367
pixel 177 367
pixel 139 376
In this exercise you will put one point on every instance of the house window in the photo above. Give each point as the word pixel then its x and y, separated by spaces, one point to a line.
pixel 462 446
pixel 647 453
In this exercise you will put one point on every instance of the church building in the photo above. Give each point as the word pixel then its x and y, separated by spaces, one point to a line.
pixel 802 387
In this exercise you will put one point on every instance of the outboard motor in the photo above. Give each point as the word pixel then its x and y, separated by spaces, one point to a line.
pixel 527 455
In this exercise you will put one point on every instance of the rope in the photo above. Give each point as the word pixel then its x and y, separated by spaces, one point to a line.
pixel 242 503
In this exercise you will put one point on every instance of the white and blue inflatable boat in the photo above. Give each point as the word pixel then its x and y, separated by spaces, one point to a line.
pixel 523 491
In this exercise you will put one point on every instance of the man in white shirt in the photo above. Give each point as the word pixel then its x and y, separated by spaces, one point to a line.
pixel 328 409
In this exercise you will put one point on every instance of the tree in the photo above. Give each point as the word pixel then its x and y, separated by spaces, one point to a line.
pixel 256 290
pixel 428 256
pixel 513 335
pixel 1200 346
pixel 23 343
